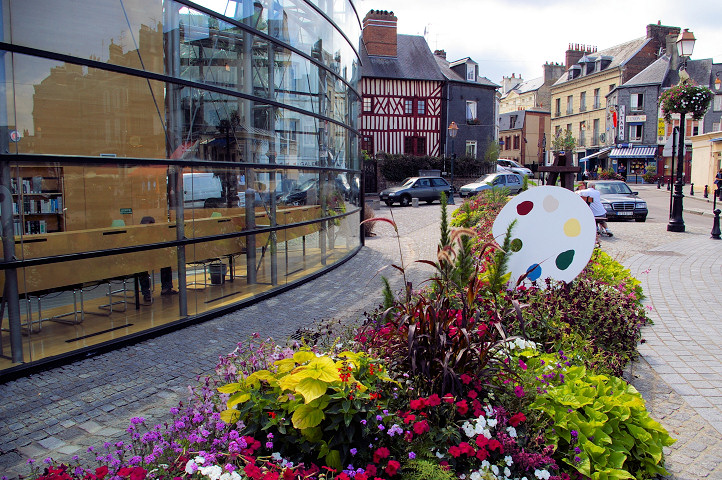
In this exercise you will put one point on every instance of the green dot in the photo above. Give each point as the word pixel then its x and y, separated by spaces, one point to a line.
pixel 565 259
pixel 516 245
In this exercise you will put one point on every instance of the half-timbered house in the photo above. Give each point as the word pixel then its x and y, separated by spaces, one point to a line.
pixel 401 90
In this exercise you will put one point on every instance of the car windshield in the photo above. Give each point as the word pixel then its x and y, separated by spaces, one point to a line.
pixel 613 188
pixel 408 182
pixel 486 178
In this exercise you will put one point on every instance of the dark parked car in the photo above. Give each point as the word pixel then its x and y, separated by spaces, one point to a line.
pixel 620 202
pixel 299 194
pixel 427 189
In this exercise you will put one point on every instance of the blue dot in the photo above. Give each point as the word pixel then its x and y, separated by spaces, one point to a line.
pixel 534 272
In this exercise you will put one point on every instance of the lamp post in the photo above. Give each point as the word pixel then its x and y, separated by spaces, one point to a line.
pixel 453 130
pixel 685 46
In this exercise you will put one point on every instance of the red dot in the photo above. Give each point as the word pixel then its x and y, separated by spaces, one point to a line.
pixel 524 207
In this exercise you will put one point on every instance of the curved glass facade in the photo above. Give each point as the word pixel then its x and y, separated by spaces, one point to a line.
pixel 163 161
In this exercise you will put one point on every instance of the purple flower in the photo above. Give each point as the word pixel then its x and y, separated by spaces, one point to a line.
pixel 412 455
pixel 577 459
pixel 48 461
pixel 137 420
pixel 269 445
pixel 353 451
pixel 574 433
pixel 577 450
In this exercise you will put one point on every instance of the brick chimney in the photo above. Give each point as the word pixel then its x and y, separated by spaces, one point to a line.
pixel 575 52
pixel 440 53
pixel 379 33
pixel 658 34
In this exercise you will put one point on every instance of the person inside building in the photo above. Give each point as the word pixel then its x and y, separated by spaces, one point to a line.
pixel 622 170
pixel 166 276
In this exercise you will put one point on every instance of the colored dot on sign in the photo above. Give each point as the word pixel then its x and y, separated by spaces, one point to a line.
pixel 524 207
pixel 572 227
pixel 516 245
pixel 550 203
pixel 534 272
pixel 565 259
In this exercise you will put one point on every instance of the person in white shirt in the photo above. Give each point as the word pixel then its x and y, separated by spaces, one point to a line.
pixel 594 200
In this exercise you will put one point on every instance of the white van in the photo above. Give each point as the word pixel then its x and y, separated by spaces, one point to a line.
pixel 202 190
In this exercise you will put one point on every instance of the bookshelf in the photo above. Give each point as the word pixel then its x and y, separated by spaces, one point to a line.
pixel 38 200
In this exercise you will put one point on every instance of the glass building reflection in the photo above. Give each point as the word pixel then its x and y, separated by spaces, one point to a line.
pixel 215 138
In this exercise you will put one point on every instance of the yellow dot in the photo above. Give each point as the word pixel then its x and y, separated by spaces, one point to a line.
pixel 572 228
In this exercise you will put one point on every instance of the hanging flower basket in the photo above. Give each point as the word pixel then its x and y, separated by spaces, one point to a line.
pixel 685 98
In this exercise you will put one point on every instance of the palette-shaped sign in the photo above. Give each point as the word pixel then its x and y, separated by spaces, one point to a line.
pixel 553 237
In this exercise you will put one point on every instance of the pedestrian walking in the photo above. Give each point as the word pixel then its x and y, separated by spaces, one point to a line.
pixel 718 182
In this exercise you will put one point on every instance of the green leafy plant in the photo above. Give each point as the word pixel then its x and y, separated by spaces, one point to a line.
pixel 599 424
pixel 564 141
pixel 606 269
pixel 312 404
pixel 426 469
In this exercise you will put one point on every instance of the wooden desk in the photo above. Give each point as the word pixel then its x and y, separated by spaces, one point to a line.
pixel 75 272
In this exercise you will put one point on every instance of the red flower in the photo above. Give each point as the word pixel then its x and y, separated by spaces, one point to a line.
pixel 409 418
pixel 466 379
pixel 467 449
pixel 421 427
pixel 124 472
pixel 360 476
pixel 494 445
pixel 517 419
pixel 462 407
pixel 472 394
pixel 392 468
pixel 343 476
pixel 481 454
pixel 272 414
pixel 380 454
pixel 138 473
pixel 273 476
pixel 418 404
pixel 448 398
pixel 289 474
pixel 433 400
pixel 253 471
pixel 371 470
pixel 481 441
pixel 454 451
pixel 101 472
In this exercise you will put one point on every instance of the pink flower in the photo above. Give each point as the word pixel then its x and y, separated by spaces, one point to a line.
pixel 519 391
pixel 522 364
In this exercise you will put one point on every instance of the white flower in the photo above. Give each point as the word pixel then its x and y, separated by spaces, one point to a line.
pixel 485 464
pixel 191 467
pixel 495 470
pixel 231 476
pixel 542 474
pixel 213 472
pixel 491 422
pixel 508 460
pixel 507 472
pixel 199 460
pixel 511 431
pixel 475 476
pixel 439 455
pixel 462 476
pixel 276 457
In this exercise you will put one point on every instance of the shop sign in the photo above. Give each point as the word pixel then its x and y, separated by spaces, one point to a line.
pixel 126 211
pixel 660 127
pixel 636 118
pixel 622 123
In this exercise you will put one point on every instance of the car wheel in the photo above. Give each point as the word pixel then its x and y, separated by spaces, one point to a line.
pixel 405 201
pixel 643 219
pixel 388 203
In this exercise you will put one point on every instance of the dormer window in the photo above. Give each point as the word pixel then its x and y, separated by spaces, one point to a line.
pixel 470 72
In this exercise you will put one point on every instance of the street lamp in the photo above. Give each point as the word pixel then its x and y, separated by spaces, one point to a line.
pixel 685 46
pixel 453 130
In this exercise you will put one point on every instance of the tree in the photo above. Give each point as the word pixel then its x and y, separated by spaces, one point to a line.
pixel 564 141
pixel 492 151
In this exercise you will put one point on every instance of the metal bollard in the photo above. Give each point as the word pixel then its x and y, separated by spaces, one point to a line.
pixel 706 191
pixel 691 188
pixel 659 183
pixel 715 226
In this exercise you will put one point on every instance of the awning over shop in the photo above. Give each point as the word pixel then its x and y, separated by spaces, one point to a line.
pixel 634 152
pixel 601 152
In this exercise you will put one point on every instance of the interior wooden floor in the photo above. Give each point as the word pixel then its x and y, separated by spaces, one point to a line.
pixel 55 337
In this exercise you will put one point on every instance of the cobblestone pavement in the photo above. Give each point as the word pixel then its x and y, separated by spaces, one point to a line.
pixel 61 412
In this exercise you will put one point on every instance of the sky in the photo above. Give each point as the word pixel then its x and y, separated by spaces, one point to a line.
pixel 519 36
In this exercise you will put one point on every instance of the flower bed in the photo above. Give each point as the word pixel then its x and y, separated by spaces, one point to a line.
pixel 464 379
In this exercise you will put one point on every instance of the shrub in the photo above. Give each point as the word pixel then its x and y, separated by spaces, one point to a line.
pixel 599 424
pixel 609 175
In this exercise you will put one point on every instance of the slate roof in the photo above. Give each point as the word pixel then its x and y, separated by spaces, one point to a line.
pixel 525 87
pixel 620 54
pixel 700 71
pixel 505 120
pixel 452 76
pixel 414 61
pixel 652 75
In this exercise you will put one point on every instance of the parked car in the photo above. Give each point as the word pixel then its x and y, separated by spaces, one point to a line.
pixel 512 181
pixel 202 190
pixel 299 195
pixel 427 189
pixel 513 166
pixel 620 202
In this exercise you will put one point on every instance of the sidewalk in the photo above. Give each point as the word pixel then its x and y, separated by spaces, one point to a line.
pixel 62 412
